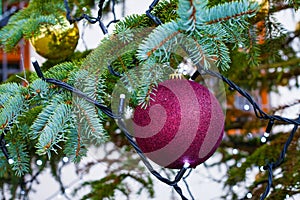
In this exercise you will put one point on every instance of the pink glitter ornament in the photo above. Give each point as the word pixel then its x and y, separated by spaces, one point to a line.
pixel 184 123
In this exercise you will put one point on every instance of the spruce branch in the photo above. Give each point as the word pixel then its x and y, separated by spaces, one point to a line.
pixel 20 158
pixel 210 27
pixel 3 164
pixel 91 130
pixel 39 88
pixel 234 12
pixel 90 120
pixel 75 147
pixel 50 125
pixel 11 107
pixel 187 13
pixel 160 39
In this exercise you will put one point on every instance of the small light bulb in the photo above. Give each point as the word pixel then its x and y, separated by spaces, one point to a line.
pixel 186 164
pixel 235 188
pixel 263 139
pixel 250 135
pixel 65 159
pixel 266 134
pixel 249 195
pixel 68 191
pixel 246 107
pixel 33 59
pixel 235 151
pixel 39 162
pixel 118 131
pixel 10 161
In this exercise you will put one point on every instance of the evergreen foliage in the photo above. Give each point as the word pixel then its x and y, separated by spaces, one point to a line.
pixel 107 186
pixel 210 27
pixel 27 22
pixel 43 121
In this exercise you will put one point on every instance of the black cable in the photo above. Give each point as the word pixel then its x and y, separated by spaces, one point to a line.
pixel 186 184
pixel 100 6
pixel 286 145
pixel 268 167
pixel 257 110
pixel 272 165
pixel 150 15
pixel 261 115
pixel 70 88
pixel 115 20
pixel 91 19
pixel 113 72
pixel 3 146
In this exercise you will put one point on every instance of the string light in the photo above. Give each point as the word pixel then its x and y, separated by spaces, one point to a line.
pixel 91 19
pixel 263 139
pixel 249 195
pixel 246 107
pixel 235 188
pixel 186 164
pixel 39 162
pixel 65 159
pixel 266 134
pixel 151 16
pixel 118 131
pixel 235 151
pixel 10 161
pixel 269 128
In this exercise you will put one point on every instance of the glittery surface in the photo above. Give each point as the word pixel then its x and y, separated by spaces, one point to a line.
pixel 183 123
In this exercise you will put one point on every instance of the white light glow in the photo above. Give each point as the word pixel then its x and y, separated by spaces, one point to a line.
pixel 186 164
pixel 249 195
pixel 266 134
pixel 65 159
pixel 39 162
pixel 10 161
pixel 263 139
pixel 235 151
pixel 246 107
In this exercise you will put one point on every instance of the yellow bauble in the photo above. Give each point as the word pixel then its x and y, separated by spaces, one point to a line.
pixel 297 29
pixel 56 41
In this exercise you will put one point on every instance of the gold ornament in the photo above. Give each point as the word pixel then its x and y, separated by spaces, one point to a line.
pixel 297 28
pixel 56 41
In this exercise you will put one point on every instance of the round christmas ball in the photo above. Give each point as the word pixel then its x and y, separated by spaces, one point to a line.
pixel 183 123
pixel 56 41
